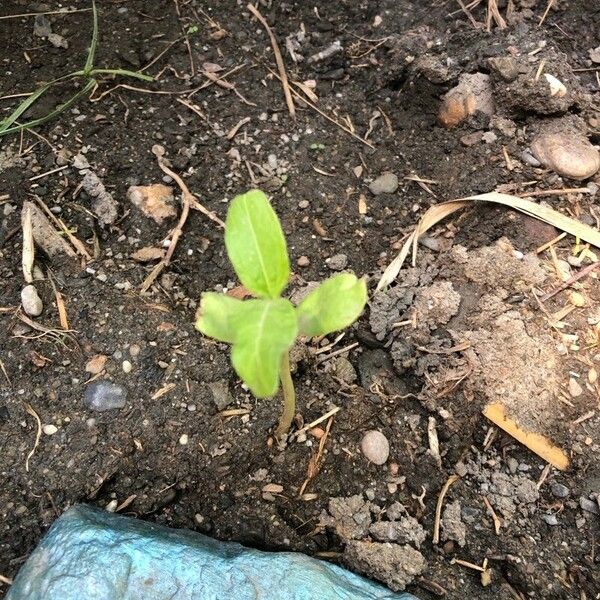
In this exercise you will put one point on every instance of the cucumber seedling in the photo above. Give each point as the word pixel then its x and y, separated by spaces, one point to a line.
pixel 262 330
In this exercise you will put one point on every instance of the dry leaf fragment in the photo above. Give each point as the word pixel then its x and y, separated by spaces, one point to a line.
pixel 362 205
pixel 239 292
pixel 96 364
pixel 155 201
pixel 148 254
pixel 272 488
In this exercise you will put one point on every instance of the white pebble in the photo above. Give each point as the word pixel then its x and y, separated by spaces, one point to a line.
pixel 49 429
pixel 184 439
pixel 375 447
pixel 31 301
pixel 127 366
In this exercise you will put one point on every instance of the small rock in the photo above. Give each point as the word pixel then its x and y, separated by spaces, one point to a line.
pixel 589 505
pixel 550 519
pixel 58 41
pixel 31 301
pixel 96 364
pixel 470 139
pixel 405 531
pixel 557 87
pixel 384 184
pixel 41 26
pixel 338 262
pixel 559 490
pixel 530 160
pixel 104 395
pixel 595 55
pixel 220 392
pixel 342 368
pixel 127 366
pixel 155 201
pixel 184 439
pixel 81 162
pixel 567 154
pixel 472 94
pixel 574 388
pixel 49 429
pixel 505 66
pixel 303 261
pixel 375 447
pixel 489 137
pixel 452 526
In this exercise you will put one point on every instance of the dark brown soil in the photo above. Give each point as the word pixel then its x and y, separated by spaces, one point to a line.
pixel 214 483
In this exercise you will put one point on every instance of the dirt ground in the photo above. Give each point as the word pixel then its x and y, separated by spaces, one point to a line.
pixel 191 448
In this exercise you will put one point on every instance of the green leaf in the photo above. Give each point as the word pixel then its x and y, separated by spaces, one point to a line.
pixel 256 245
pixel 264 330
pixel 215 316
pixel 334 305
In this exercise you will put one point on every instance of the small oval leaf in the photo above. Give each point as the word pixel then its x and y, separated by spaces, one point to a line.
pixel 215 316
pixel 334 305
pixel 256 245
pixel 265 329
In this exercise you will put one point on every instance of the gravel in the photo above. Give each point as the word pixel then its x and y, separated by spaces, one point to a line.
pixel 384 184
pixel 104 395
pixel 375 447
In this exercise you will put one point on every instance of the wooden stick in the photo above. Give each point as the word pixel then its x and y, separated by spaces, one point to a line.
pixel 278 59
pixel 438 508
pixel 570 281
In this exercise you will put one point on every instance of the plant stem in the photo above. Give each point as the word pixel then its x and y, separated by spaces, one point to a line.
pixel 289 397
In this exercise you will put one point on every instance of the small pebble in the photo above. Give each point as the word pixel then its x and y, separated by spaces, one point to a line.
pixel 31 301
pixel 49 429
pixel 104 395
pixel 567 154
pixel 530 160
pixel 559 490
pixel 370 494
pixel 303 261
pixel 184 439
pixel 303 204
pixel 384 184
pixel 574 388
pixel 134 350
pixel 112 506
pixel 127 366
pixel 338 262
pixel 550 519
pixel 375 447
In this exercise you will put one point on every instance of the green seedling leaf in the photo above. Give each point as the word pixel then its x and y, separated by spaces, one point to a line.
pixel 334 305
pixel 256 245
pixel 215 316
pixel 264 330
pixel 89 63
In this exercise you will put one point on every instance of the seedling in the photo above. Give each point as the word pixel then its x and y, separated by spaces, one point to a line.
pixel 89 74
pixel 261 331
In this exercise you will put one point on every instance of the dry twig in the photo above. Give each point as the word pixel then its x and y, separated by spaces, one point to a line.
pixel 438 508
pixel 278 59
pixel 38 434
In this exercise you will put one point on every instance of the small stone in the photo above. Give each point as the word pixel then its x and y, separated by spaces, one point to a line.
pixel 375 447
pixel 41 26
pixel 370 494
pixel 338 262
pixel 184 439
pixel 303 261
pixel 489 137
pixel 589 505
pixel 574 388
pixel 557 87
pixel 303 204
pixel 31 301
pixel 49 429
pixel 505 66
pixel 220 392
pixel 134 350
pixel 559 490
pixel 567 154
pixel 343 369
pixel 595 55
pixel 530 160
pixel 81 162
pixel 104 395
pixel 550 519
pixel 472 94
pixel 384 184
pixel 58 41
pixel 155 201
pixel 127 366
pixel 96 364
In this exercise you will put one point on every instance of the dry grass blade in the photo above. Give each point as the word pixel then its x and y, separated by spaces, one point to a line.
pixel 28 248
pixel 278 59
pixel 60 305
pixel 38 434
pixel 440 211
pixel 439 505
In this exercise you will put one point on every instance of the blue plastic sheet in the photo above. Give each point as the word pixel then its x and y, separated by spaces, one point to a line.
pixel 90 554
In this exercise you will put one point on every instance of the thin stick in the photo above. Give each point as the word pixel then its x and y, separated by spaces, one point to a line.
pixel 28 247
pixel 467 12
pixel 322 418
pixel 289 397
pixel 57 170
pixel 51 12
pixel 550 5
pixel 438 508
pixel 497 522
pixel 6 580
pixel 187 199
pixel 326 116
pixel 570 281
pixel 556 192
pixel 38 434
pixel 278 59
pixel 337 352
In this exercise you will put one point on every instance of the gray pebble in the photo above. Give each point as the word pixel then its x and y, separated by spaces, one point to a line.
pixel 529 159
pixel 220 392
pixel 104 395
pixel 338 262
pixel 589 505
pixel 31 301
pixel 370 494
pixel 559 490
pixel 384 184
pixel 375 447
pixel 550 519
pixel 41 26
